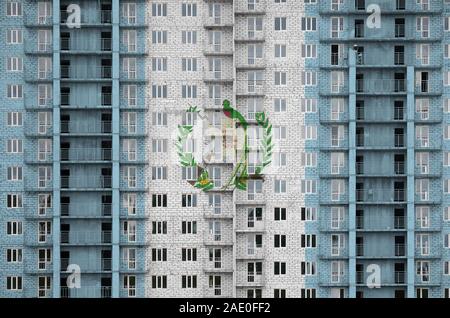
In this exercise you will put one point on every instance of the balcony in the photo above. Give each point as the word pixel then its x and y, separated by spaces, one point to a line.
pixel 140 20
pixel 256 253
pixel 105 100
pixel 390 33
pixel 399 223
pixel 217 50
pixel 217 265
pixel 138 75
pixel 89 265
pixel 31 19
pixel 250 198
pixel 376 115
pixel 360 277
pixel 335 60
pixel 86 128
pixel 251 280
pixel 396 59
pixel 34 102
pixel 85 237
pixel 217 212
pixel 86 154
pixel 252 227
pixel 255 88
pixel 221 21
pixel 359 249
pixel 33 183
pixel 84 210
pixel 100 73
pixel 396 224
pixel 398 141
pixel 396 251
pixel 359 222
pixel 38 76
pixel 34 129
pixel 388 7
pixel 334 225
pixel 380 196
pixel 87 292
pixel 399 277
pixel 215 292
pixel 40 48
pixel 399 250
pixel 87 183
pixel 217 239
pixel 381 86
pixel 398 169
pixel 326 116
pixel 432 87
pixel 76 46
pixel 217 76
pixel 251 36
pixel 252 7
pixel 103 17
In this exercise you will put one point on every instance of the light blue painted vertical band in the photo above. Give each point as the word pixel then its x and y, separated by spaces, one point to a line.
pixel 352 175
pixel 410 133
pixel 56 224
pixel 115 149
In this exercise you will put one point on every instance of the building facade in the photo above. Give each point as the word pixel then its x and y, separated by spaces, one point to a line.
pixel 95 202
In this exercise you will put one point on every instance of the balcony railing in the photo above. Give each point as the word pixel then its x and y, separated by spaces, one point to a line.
pixel 359 222
pixel 359 249
pixel 337 59
pixel 86 292
pixel 32 18
pixel 68 44
pixel 381 86
pixel 101 72
pixel 38 47
pixel 398 142
pixel 69 127
pixel 371 59
pixel 399 277
pixel 252 87
pixel 400 250
pixel 104 264
pixel 399 167
pixel 423 86
pixel 359 277
pixel 251 6
pixel 86 154
pixel 88 182
pixel 86 237
pixel 360 168
pixel 399 222
pixel 380 195
pixel 103 17
pixel 85 210
pixel 105 100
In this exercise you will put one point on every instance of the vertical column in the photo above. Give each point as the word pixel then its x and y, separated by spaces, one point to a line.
pixel 352 174
pixel 56 224
pixel 410 133
pixel 234 192
pixel 115 150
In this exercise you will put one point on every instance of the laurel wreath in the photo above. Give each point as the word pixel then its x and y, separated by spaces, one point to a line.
pixel 266 142
pixel 239 175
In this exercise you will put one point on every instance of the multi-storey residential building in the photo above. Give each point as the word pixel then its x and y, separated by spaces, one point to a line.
pixel 73 187
pixel 354 204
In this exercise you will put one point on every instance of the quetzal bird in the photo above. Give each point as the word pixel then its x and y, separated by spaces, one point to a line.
pixel 230 112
